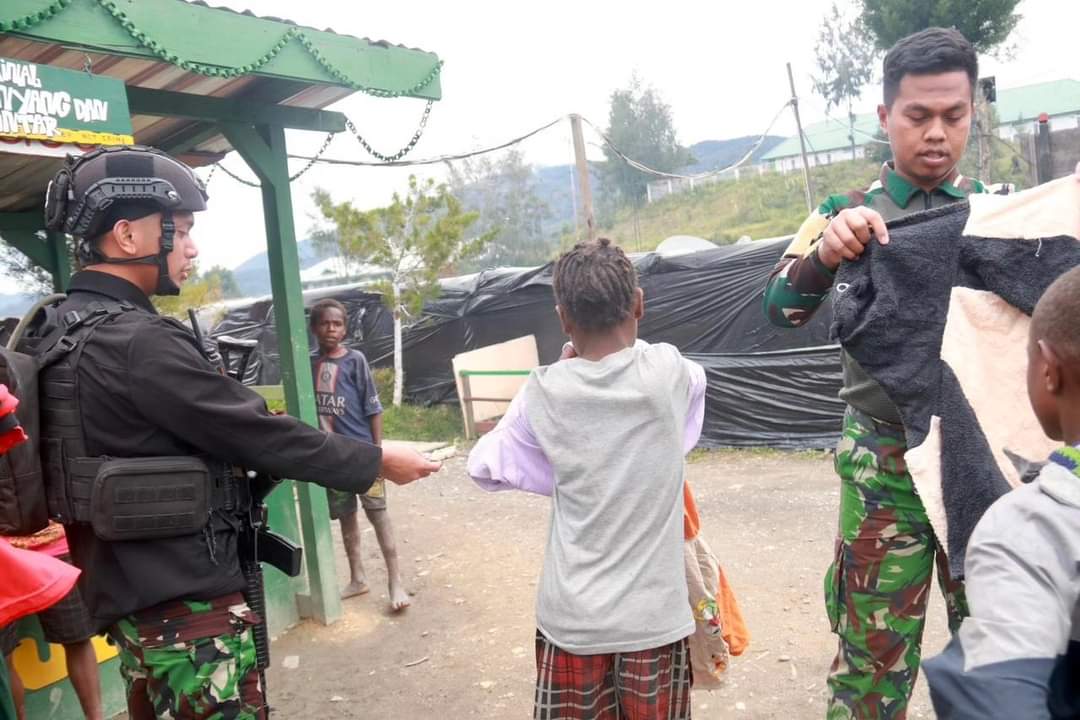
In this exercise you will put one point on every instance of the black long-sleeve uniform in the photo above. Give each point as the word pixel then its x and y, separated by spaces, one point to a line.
pixel 145 389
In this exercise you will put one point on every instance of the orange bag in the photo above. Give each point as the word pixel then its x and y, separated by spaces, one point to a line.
pixel 720 629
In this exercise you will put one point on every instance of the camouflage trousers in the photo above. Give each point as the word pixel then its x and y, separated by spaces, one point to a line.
pixel 191 661
pixel 877 587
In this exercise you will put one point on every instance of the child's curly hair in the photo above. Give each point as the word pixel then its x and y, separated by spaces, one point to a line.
pixel 320 308
pixel 1056 318
pixel 595 284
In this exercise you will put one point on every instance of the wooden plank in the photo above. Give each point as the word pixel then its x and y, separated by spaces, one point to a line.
pixel 144 101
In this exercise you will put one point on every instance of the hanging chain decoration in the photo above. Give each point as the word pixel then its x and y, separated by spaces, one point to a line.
pixel 236 177
pixel 315 158
pixel 293 33
pixel 25 23
pixel 210 176
pixel 250 183
pixel 403 151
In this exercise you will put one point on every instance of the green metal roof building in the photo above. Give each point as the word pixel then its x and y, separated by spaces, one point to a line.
pixel 826 142
pixel 1018 108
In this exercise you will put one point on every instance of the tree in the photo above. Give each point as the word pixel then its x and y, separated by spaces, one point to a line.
pixel 32 278
pixel 198 292
pixel 640 126
pixel 986 23
pixel 416 238
pixel 845 58
pixel 503 193
pixel 225 281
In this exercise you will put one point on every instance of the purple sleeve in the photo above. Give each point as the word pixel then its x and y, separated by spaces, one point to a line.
pixel 510 457
pixel 695 413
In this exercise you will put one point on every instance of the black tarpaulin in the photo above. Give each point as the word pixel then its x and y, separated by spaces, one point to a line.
pixel 768 386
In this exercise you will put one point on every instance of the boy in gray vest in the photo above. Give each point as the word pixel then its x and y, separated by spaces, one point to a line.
pixel 604 431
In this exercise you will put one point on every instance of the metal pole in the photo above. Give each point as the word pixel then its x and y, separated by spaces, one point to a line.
pixel 802 142
pixel 583 176
pixel 1043 158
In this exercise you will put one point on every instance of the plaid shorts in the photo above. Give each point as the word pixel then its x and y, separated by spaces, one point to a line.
pixel 649 684
pixel 344 503
pixel 65 623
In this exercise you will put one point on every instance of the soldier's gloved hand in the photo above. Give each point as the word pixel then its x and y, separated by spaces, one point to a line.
pixel 402 465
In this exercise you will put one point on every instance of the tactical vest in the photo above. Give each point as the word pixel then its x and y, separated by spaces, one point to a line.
pixel 142 498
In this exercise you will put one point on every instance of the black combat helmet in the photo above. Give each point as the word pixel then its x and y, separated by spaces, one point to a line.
pixel 91 192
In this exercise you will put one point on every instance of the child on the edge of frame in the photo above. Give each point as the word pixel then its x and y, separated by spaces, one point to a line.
pixel 1018 654
pixel 604 431
pixel 348 403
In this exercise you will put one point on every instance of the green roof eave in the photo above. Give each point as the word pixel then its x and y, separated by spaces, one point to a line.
pixel 222 43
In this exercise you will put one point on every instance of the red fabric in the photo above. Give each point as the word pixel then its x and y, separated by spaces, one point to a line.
pixel 15 436
pixel 58 548
pixel 8 402
pixel 51 540
pixel 31 582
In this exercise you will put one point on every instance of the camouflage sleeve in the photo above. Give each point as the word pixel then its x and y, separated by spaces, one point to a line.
pixel 799 282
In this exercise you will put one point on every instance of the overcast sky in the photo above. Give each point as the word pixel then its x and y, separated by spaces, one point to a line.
pixel 511 67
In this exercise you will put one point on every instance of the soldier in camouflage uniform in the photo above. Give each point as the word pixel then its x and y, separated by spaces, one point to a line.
pixel 877 587
pixel 192 659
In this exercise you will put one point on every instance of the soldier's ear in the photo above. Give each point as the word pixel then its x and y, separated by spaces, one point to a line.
pixel 123 236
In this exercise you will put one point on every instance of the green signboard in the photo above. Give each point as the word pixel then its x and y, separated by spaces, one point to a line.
pixel 41 102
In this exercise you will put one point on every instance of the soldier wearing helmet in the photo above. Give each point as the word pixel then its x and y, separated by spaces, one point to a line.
pixel 134 417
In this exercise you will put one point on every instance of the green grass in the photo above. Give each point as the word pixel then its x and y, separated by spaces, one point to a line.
pixel 441 423
pixel 771 205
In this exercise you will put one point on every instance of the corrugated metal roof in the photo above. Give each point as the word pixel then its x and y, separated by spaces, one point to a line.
pixel 249 13
pixel 1021 104
pixel 826 136
pixel 23 178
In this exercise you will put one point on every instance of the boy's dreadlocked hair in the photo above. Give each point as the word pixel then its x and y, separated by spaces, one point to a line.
pixel 595 284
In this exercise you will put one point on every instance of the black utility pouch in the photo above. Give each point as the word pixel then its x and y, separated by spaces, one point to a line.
pixel 150 498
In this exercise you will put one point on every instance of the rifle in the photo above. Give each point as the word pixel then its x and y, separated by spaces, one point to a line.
pixel 258 543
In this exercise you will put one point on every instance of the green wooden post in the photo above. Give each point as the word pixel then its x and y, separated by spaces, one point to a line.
pixel 263 148
pixel 21 231
pixel 61 266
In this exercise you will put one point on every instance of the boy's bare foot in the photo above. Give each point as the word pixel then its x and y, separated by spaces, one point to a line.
pixel 355 588
pixel 399 599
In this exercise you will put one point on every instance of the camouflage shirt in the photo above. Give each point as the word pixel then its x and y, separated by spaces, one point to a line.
pixel 800 281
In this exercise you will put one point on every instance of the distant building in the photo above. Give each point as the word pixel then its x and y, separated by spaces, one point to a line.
pixel 1019 108
pixel 335 271
pixel 827 142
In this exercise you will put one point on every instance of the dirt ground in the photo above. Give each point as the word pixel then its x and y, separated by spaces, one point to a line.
pixel 465 648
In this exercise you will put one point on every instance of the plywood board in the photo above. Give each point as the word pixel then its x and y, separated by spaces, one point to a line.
pixel 517 354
